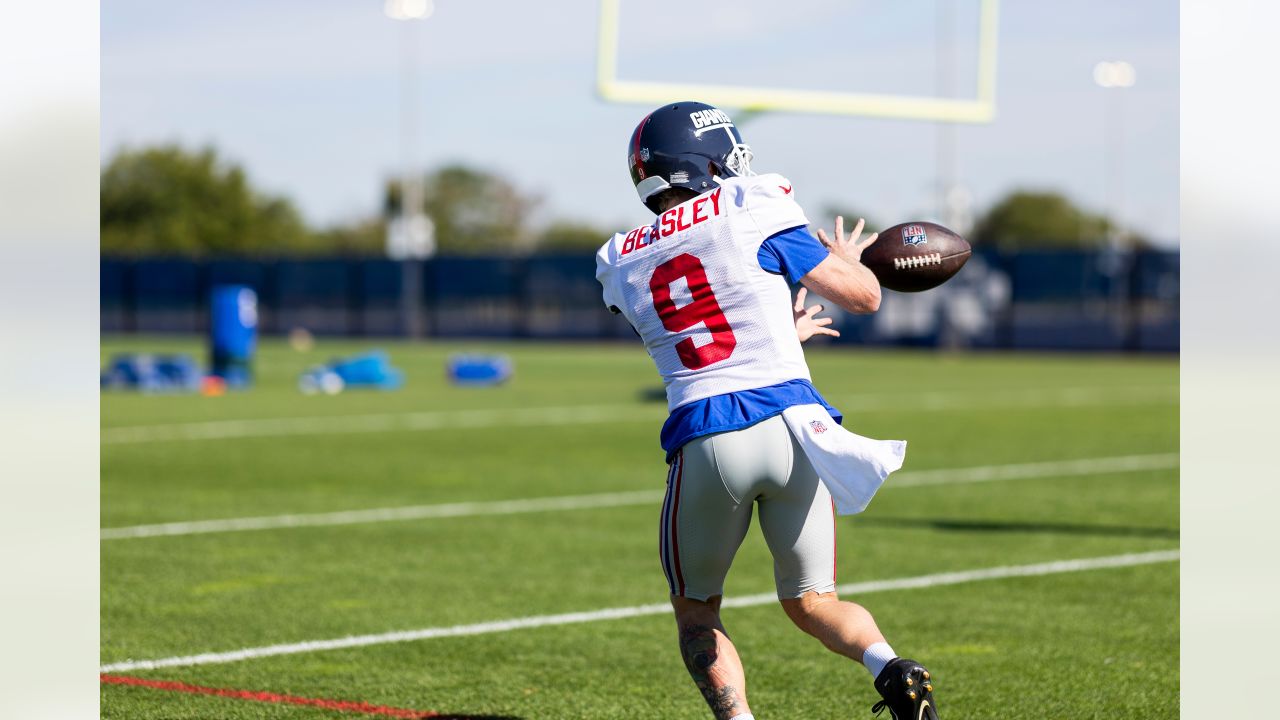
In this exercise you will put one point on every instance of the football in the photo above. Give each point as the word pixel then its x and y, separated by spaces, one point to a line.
pixel 916 256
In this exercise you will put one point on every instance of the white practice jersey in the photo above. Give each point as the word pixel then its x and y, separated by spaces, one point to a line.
pixel 691 284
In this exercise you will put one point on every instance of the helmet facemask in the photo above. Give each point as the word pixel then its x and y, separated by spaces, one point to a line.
pixel 739 160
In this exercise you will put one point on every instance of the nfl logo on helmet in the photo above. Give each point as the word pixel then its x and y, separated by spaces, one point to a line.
pixel 914 235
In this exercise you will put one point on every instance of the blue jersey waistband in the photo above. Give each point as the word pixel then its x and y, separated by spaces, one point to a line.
pixel 737 410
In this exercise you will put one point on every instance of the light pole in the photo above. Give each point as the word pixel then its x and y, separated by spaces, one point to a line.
pixel 410 234
pixel 1115 76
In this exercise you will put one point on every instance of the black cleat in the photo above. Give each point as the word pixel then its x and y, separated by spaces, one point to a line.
pixel 907 689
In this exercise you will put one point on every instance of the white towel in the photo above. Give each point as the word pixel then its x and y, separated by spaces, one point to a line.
pixel 852 467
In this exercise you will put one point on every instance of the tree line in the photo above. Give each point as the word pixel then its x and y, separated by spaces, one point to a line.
pixel 168 200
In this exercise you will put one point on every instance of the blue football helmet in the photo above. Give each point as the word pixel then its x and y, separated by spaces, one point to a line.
pixel 687 145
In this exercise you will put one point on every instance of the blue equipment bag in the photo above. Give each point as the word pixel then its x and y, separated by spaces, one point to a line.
pixel 233 333
pixel 152 373
pixel 371 370
pixel 479 370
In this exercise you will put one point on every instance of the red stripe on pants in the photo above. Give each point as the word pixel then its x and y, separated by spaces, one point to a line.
pixel 663 524
pixel 675 520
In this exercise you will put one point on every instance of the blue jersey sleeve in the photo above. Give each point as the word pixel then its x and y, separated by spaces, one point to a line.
pixel 792 253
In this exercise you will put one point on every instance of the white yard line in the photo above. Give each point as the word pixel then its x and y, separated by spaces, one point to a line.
pixel 1055 468
pixel 376 515
pixel 598 414
pixel 1028 397
pixel 1029 471
pixel 617 613
pixel 383 422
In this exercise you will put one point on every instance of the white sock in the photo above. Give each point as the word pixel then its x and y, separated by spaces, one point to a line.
pixel 743 716
pixel 877 656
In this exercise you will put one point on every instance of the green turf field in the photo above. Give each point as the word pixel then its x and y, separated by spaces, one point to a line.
pixel 582 420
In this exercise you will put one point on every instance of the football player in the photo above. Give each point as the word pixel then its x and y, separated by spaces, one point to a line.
pixel 705 285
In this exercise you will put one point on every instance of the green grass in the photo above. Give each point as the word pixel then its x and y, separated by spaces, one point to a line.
pixel 1093 644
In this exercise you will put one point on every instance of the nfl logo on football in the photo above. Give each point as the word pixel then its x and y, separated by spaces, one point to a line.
pixel 914 235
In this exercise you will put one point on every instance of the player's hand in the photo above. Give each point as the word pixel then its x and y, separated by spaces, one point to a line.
pixel 847 248
pixel 806 324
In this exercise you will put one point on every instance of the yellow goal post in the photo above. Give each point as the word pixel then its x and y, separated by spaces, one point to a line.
pixel 979 109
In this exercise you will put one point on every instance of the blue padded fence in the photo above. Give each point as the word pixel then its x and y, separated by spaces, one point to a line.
pixel 1059 300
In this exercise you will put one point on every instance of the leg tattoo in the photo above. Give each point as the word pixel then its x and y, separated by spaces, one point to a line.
pixel 723 702
pixel 698 647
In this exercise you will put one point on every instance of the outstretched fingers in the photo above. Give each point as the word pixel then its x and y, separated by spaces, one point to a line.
pixel 822 238
pixel 820 324
pixel 841 240
pixel 808 324
pixel 820 328
pixel 799 306
pixel 866 243
pixel 857 229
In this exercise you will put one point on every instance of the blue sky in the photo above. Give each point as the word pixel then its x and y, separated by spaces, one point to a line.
pixel 306 95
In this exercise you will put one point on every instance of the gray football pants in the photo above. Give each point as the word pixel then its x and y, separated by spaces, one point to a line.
pixel 714 482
